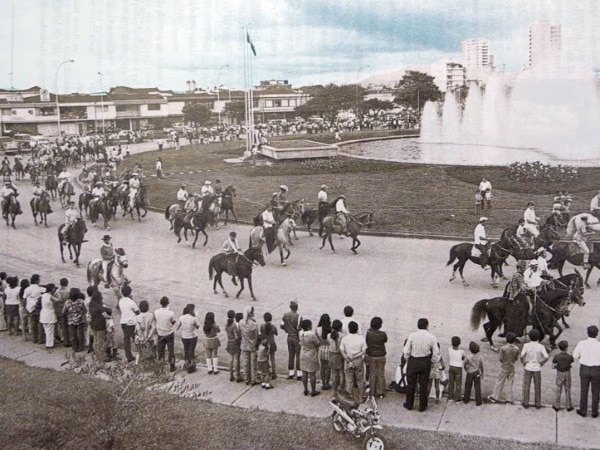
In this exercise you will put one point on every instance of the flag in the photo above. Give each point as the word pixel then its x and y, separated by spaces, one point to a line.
pixel 250 42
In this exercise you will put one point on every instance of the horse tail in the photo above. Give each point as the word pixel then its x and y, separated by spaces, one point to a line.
pixel 452 256
pixel 210 269
pixel 167 213
pixel 478 313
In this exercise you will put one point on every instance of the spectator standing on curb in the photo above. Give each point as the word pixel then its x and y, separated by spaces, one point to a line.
pixel 336 361
pixel 474 368
pixel 188 324
pixel 233 347
pixel 353 349
pixel 62 295
pixel 129 309
pixel 348 317
pixel 587 352
pixel 375 357
pixel 249 344
pixel 48 315
pixel 309 357
pixel 145 330
pixel 75 311
pixel 165 320
pixel 508 356
pixel 290 323
pixel 323 331
pixel 456 356
pixel 562 363
pixel 211 343
pixel 533 357
pixel 99 314
pixel 269 331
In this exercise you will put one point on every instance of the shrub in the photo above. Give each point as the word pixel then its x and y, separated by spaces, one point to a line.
pixel 537 172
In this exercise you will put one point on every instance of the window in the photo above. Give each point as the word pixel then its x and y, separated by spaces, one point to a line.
pixel 154 107
pixel 268 103
pixel 121 108
pixel 277 103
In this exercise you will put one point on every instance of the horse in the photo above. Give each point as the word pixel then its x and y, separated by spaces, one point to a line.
pixel 5 171
pixel 104 208
pixel 18 169
pixel 11 209
pixel 210 205
pixel 463 252
pixel 140 201
pixel 308 215
pixel 569 251
pixel 218 264
pixel 66 192
pixel 171 211
pixel 51 185
pixel 554 300
pixel 74 239
pixel 227 203
pixel 354 225
pixel 283 238
pixel 84 203
pixel 42 207
pixel 196 222
pixel 508 240
pixel 116 272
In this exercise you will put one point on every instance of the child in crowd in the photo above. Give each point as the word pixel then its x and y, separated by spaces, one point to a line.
pixel 323 331
pixel 562 363
pixel 473 365
pixel 211 343
pixel 435 376
pixel 508 356
pixel 262 358
pixel 269 331
pixel 456 356
pixel 233 347
pixel 336 361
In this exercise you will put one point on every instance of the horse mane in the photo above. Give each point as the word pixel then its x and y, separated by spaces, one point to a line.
pixel 119 251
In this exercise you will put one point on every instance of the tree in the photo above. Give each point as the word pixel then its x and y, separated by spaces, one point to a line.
pixel 415 89
pixel 197 113
pixel 378 105
pixel 236 110
pixel 328 101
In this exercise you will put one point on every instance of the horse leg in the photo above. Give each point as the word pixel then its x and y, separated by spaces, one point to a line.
pixel 355 244
pixel 62 256
pixel 241 287
pixel 218 278
pixel 565 324
pixel 197 232
pixel 460 271
pixel 587 276
pixel 454 269
pixel 145 212
pixel 205 237
pixel 234 216
pixel 250 287
pixel 13 221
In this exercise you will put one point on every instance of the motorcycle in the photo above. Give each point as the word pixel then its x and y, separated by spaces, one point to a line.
pixel 347 417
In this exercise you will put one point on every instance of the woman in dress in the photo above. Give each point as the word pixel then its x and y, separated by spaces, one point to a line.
pixel 323 331
pixel 309 357
pixel 211 343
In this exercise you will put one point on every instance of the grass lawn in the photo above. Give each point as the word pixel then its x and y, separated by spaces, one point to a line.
pixel 41 408
pixel 406 198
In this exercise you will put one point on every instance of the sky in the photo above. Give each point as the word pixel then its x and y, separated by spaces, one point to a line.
pixel 164 43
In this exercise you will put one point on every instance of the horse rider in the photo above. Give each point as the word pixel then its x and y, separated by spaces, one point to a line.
pixel 555 220
pixel 523 237
pixel 107 253
pixel 578 228
pixel 231 248
pixel 531 220
pixel 322 199
pixel 71 215
pixel 257 235
pixel 595 205
pixel 218 190
pixel 341 212
pixel 98 194
pixel 134 187
pixel 182 196
pixel 207 189
pixel 63 178
pixel 281 197
pixel 37 192
pixel 517 284
pixel 269 223
pixel 542 261
pixel 8 190
pixel 481 241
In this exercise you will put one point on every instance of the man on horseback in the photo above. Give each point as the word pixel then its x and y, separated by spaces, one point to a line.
pixel 232 249
pixel 218 191
pixel 134 187
pixel 269 223
pixel 341 212
pixel 523 237
pixel 481 241
pixel 107 253
pixel 207 189
pixel 578 228
pixel 531 220
pixel 37 192
pixel 182 196
pixel 281 197
pixel 6 192
pixel 63 178
pixel 71 215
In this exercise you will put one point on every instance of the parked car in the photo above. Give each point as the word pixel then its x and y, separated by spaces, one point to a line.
pixel 11 148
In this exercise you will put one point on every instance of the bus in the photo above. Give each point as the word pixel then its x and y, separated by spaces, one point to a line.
pixel 23 140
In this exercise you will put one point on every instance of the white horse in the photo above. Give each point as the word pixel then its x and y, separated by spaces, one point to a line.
pixel 116 274
pixel 283 237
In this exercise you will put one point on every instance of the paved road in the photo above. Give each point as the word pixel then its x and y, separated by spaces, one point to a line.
pixel 397 279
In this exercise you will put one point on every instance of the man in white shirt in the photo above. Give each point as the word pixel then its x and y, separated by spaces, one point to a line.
pixel 353 348
pixel 578 228
pixel 165 320
pixel 129 310
pixel 134 187
pixel 207 189
pixel 231 248
pixel 484 185
pixel 532 275
pixel 531 220
pixel 268 221
pixel 542 261
pixel 481 241
pixel 71 215
pixel 341 210
pixel 63 177
pixel 182 196
pixel 587 352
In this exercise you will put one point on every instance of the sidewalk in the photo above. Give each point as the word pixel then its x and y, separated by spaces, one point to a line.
pixel 497 421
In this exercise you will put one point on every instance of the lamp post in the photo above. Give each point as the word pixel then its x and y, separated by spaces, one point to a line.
pixel 100 74
pixel 357 73
pixel 56 93
pixel 218 92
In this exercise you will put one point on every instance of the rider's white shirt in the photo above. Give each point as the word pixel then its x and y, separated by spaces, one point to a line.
pixel 522 231
pixel 98 192
pixel 542 264
pixel 6 191
pixel 322 196
pixel 71 215
pixel 532 279
pixel 595 203
pixel 479 235
pixel 134 183
pixel 66 176
pixel 529 216
pixel 182 195
pixel 340 206
pixel 206 190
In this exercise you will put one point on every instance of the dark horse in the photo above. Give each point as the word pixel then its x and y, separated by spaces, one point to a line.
pixel 66 192
pixel 569 251
pixel 553 301
pixel 227 203
pixel 51 185
pixel 84 203
pixel 74 239
pixel 41 206
pixel 463 253
pixel 218 264
pixel 11 209
pixel 18 169
pixel 508 240
pixel 196 222
pixel 140 201
pixel 104 208
pixel 355 223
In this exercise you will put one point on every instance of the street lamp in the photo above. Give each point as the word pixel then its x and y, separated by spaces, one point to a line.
pixel 100 74
pixel 357 73
pixel 56 93
pixel 219 90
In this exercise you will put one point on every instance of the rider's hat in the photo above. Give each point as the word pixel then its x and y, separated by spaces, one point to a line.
pixel 483 219
pixel 106 237
pixel 283 187
pixel 540 250
pixel 135 174
pixel 207 182
pixel 71 203
pixel 530 204
pixel 533 263
pixel 183 186
pixel 99 183
pixel 323 186
pixel 343 196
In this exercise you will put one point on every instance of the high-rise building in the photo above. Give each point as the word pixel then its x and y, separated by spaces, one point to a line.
pixel 544 45
pixel 478 61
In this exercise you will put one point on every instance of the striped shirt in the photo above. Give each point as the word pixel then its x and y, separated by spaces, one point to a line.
pixel 422 343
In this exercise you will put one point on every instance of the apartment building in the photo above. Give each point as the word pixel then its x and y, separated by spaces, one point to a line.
pixel 545 45
pixel 477 60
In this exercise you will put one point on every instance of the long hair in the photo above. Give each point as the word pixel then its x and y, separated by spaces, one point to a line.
pixel 325 324
pixel 209 322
